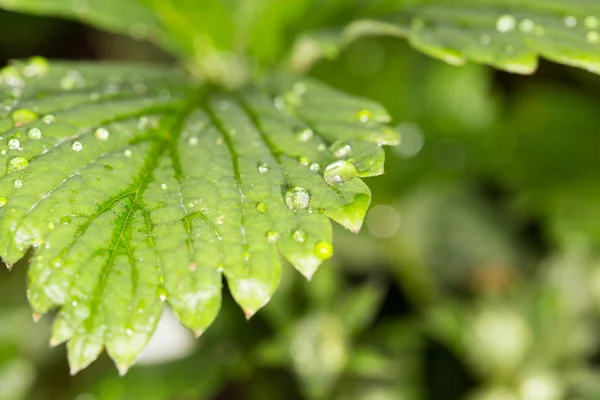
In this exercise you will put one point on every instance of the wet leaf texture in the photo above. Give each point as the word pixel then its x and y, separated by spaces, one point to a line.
pixel 133 188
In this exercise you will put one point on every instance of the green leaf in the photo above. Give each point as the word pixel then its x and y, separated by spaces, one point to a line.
pixel 133 187
pixel 506 34
pixel 130 17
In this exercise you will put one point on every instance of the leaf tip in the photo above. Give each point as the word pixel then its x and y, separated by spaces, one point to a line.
pixel 123 368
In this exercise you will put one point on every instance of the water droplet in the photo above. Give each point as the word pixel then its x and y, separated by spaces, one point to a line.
pixel 272 236
pixel 593 37
pixel 48 119
pixel 219 220
pixel 591 22
pixel 526 26
pixel 262 208
pixel 102 134
pixel 315 167
pixel 304 135
pixel 247 256
pixel 339 172
pixel 304 161
pixel 3 201
pixel 34 134
pixel 297 198
pixel 162 293
pixel 18 184
pixel 340 149
pixel 129 332
pixel 56 262
pixel 72 80
pixel 324 250
pixel 506 23
pixel 570 21
pixel 65 220
pixel 164 186
pixel 37 66
pixel 485 40
pixel 193 141
pixel 127 153
pixel 17 163
pixel 51 226
pixel 77 146
pixel 36 243
pixel 299 236
pixel 74 303
pixel 23 117
pixel 364 115
pixel 14 144
pixel 263 168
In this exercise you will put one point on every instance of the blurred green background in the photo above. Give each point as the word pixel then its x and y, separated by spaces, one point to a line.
pixel 476 276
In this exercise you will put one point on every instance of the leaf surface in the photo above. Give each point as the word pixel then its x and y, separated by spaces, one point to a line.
pixel 506 34
pixel 133 187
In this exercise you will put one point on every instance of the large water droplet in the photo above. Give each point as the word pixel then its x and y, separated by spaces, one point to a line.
pixel 77 146
pixel 324 250
pixel 297 198
pixel 263 168
pixel 17 163
pixel 262 208
pixel 340 149
pixel 102 134
pixel 14 144
pixel 506 23
pixel 339 172
pixel 272 236
pixel 23 117
pixel 299 236
pixel 34 134
pixel 3 201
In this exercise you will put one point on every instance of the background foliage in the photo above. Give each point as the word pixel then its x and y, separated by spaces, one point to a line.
pixel 477 274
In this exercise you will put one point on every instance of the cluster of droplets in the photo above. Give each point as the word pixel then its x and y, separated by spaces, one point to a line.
pixel 508 23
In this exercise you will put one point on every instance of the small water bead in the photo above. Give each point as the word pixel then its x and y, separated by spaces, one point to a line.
pixel 51 226
pixel 220 220
pixel 339 172
pixel 485 40
pixel 162 293
pixel 297 198
pixel 272 236
pixel 364 115
pixel 593 37
pixel 37 66
pixel 72 80
pixel 247 256
pixel 570 21
pixel 305 135
pixel 3 201
pixel 264 168
pixel 299 236
pixel 324 250
pixel 18 184
pixel 127 153
pixel 340 149
pixel 23 117
pixel 304 161
pixel 316 167
pixel 526 26
pixel 193 141
pixel 65 220
pixel 77 146
pixel 591 22
pixel 129 332
pixel 14 144
pixel 506 23
pixel 48 119
pixel 34 134
pixel 17 164
pixel 102 134
pixel 164 186
pixel 262 208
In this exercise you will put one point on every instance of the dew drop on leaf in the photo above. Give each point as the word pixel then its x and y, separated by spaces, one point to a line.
pixel 571 21
pixel 272 236
pixel 297 198
pixel 48 119
pixel 23 117
pixel 3 201
pixel 18 184
pixel 162 293
pixel 17 164
pixel 127 153
pixel 263 168
pixel 299 236
pixel 14 144
pixel 37 66
pixel 364 115
pixel 77 146
pixel 340 149
pixel 315 167
pixel 34 134
pixel 261 208
pixel 324 250
pixel 304 135
pixel 591 22
pixel 506 23
pixel 56 262
pixel 339 172
pixel 102 134
pixel 304 161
